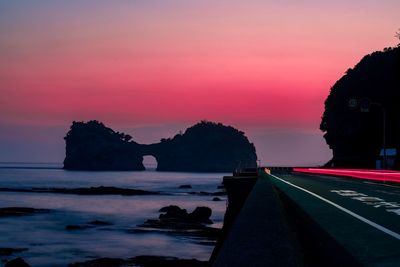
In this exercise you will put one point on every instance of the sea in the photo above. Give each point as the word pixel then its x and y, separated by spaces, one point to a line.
pixel 49 243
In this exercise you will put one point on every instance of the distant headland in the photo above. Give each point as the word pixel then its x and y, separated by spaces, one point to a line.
pixel 203 147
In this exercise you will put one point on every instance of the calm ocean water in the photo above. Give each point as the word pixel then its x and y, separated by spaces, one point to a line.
pixel 50 244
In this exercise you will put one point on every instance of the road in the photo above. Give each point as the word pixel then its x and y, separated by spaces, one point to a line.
pixel 361 215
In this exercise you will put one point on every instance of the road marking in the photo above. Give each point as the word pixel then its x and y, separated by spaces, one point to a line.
pixel 376 202
pixel 365 220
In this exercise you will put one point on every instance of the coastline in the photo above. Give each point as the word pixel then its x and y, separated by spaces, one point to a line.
pixel 69 217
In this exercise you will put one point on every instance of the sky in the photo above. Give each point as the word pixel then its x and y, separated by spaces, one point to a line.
pixel 152 68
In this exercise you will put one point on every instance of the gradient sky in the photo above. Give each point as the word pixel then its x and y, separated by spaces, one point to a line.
pixel 153 67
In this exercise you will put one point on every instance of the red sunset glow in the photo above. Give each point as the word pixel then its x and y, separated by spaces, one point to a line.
pixel 260 66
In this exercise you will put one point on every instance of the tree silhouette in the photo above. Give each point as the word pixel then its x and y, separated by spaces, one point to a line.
pixel 356 137
pixel 206 146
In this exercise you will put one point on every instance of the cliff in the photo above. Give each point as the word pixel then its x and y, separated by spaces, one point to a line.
pixel 93 146
pixel 355 136
pixel 204 147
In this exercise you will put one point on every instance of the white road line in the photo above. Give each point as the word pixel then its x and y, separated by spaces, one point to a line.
pixel 365 220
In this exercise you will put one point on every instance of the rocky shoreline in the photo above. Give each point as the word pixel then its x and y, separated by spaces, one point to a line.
pixel 194 225
pixel 20 211
pixel 177 221
pixel 100 190
pixel 172 220
pixel 104 190
pixel 142 261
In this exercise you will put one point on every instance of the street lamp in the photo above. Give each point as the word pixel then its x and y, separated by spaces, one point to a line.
pixel 364 104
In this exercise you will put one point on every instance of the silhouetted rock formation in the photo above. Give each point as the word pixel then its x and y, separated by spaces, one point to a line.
pixel 20 211
pixel 354 136
pixel 100 190
pixel 177 221
pixel 92 146
pixel 18 262
pixel 204 147
pixel 142 261
pixel 199 215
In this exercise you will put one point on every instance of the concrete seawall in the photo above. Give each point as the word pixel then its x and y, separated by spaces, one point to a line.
pixel 264 227
pixel 255 230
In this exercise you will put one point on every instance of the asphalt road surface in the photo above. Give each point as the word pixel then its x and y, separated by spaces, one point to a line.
pixel 361 215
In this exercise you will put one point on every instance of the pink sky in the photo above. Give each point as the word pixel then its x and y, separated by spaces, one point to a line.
pixel 263 66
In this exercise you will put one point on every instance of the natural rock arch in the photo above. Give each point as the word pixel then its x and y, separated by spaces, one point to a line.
pixel 150 162
pixel 204 147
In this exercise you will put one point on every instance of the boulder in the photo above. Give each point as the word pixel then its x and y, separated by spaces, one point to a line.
pixel 201 214
pixel 185 186
pixel 18 262
pixel 173 212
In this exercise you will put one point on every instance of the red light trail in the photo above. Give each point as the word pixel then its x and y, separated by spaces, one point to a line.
pixel 375 175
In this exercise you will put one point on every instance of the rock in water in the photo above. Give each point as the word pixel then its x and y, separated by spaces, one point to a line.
pixel 142 261
pixel 185 186
pixel 178 221
pixel 201 214
pixel 20 211
pixel 18 262
pixel 173 212
pixel 93 146
pixel 101 262
pixel 204 147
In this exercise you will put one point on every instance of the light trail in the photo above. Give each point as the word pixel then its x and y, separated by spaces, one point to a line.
pixel 374 175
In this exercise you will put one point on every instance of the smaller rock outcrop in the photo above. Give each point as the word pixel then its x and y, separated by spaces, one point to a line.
pixel 18 262
pixel 142 261
pixel 99 190
pixel 178 221
pixel 20 211
pixel 199 215
pixel 185 186
pixel 93 146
